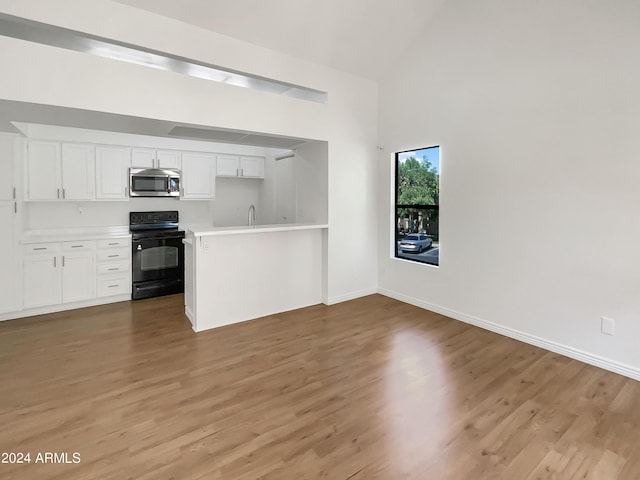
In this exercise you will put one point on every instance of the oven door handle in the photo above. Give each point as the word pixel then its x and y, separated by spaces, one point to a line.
pixel 152 239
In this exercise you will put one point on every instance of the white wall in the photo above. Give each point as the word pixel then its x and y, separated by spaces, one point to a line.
pixel 266 214
pixel 536 108
pixel 311 183
pixel 233 198
pixel 40 74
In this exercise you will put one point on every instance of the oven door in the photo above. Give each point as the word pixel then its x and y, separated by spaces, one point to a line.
pixel 157 259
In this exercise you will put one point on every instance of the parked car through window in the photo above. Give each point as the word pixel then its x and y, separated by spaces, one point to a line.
pixel 415 243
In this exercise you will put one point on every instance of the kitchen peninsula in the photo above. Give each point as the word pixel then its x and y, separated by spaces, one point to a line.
pixel 233 274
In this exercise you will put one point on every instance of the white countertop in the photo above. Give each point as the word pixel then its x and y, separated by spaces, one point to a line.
pixel 71 234
pixel 205 230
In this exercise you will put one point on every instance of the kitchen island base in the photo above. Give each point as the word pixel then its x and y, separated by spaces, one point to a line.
pixel 237 275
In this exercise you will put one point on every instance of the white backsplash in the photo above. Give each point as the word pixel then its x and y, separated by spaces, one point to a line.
pixel 43 215
pixel 233 198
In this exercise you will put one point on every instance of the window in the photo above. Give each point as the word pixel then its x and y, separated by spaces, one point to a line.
pixel 417 209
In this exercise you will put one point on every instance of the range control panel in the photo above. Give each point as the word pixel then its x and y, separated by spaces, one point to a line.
pixel 153 218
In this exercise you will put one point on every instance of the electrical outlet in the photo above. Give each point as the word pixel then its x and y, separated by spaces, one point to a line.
pixel 608 325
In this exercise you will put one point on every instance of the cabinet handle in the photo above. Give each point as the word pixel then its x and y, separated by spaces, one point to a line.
pixel 113 286
pixel 64 194
pixel 54 262
pixel 58 194
pixel 113 243
pixel 77 246
pixel 111 269
pixel 15 207
pixel 242 172
pixel 237 172
pixel 63 260
pixel 40 248
pixel 112 256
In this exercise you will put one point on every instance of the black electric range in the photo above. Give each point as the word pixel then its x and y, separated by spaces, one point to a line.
pixel 157 254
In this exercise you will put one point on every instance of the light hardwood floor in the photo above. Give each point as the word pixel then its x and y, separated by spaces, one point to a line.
pixel 367 389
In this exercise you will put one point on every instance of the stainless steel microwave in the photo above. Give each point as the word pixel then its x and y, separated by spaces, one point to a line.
pixel 154 182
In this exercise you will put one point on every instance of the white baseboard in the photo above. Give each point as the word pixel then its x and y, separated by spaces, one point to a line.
pixel 30 312
pixel 586 357
pixel 349 296
pixel 192 318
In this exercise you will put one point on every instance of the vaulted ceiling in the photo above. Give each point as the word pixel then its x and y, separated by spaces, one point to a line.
pixel 362 37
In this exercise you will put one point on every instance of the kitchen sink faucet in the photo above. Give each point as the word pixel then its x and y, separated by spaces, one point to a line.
pixel 251 216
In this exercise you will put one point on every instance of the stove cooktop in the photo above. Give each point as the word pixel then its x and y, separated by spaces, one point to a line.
pixel 163 224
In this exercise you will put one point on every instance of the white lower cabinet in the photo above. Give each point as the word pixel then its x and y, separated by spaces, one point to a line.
pixel 78 271
pixel 114 267
pixel 9 257
pixel 58 273
pixel 113 285
pixel 42 275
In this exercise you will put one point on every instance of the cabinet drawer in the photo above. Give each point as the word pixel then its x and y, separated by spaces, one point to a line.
pixel 114 243
pixel 116 267
pixel 78 246
pixel 38 248
pixel 113 285
pixel 113 254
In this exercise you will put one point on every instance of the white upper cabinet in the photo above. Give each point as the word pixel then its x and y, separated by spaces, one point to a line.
pixel 227 165
pixel 59 171
pixel 78 171
pixel 252 167
pixel 240 166
pixel 10 281
pixel 112 173
pixel 143 158
pixel 43 171
pixel 9 147
pixel 168 159
pixel 198 176
pixel 151 158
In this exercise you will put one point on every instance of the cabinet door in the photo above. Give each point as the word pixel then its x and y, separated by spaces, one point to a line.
pixel 143 158
pixel 252 167
pixel 43 170
pixel 8 150
pixel 78 276
pixel 168 159
pixel 78 171
pixel 10 279
pixel 198 175
pixel 227 166
pixel 42 281
pixel 112 173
